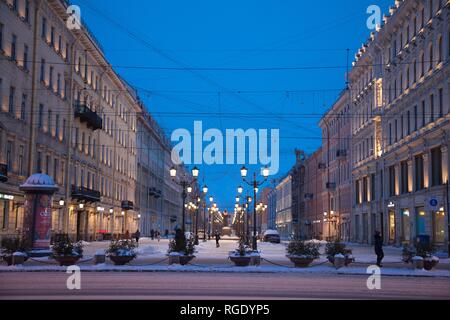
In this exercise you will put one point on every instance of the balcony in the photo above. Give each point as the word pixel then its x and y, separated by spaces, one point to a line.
pixel 92 119
pixel 331 185
pixel 85 194
pixel 309 196
pixel 127 205
pixel 3 172
pixel 153 192
pixel 341 153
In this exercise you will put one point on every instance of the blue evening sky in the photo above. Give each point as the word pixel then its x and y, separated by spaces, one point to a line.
pixel 233 34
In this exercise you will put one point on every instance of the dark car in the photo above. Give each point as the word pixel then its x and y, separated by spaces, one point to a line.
pixel 271 236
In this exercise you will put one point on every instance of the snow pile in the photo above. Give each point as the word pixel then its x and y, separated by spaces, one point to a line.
pixel 147 250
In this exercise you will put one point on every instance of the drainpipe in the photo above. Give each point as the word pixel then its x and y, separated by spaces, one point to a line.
pixel 69 139
pixel 32 144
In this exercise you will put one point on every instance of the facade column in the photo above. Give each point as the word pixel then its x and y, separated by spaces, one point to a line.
pixel 411 175
pixel 445 161
pixel 397 179
pixel 426 169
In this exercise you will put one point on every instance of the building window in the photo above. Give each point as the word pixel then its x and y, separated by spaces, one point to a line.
pixel 39 162
pixel 431 108
pixel 21 160
pixel 5 215
pixel 12 93
pixel 423 113
pixel 41 117
pixel 372 187
pixel 396 131
pixel 52 37
pixel 392 181
pixel 14 6
pixel 390 133
pixel 47 165
pixel 55 170
pixel 439 225
pixel 42 76
pixel 58 85
pixel 365 191
pixel 27 11
pixel 57 126
pixel 14 48
pixel 25 57
pixel 9 155
pixel 404 177
pixel 419 172
pixel 1 37
pixel 440 49
pixel 415 118
pixel 50 78
pixel 49 122
pixel 441 103
pixel 23 106
pixel 409 123
pixel 44 29
pixel 415 72
pixel 64 130
pixel 431 58
pixel 422 64
pixel 436 167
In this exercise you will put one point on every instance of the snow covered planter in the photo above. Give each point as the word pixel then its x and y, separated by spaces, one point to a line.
pixel 421 256
pixel 121 252
pixel 65 251
pixel 181 251
pixel 243 256
pixel 11 246
pixel 302 253
pixel 430 262
pixel 337 250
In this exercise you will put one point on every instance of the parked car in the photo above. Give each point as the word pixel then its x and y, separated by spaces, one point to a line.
pixel 271 236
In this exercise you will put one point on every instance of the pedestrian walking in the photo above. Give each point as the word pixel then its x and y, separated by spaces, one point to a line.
pixel 152 234
pixel 217 239
pixel 137 235
pixel 379 248
pixel 158 235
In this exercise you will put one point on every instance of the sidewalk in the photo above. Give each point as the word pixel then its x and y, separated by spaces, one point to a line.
pixel 152 256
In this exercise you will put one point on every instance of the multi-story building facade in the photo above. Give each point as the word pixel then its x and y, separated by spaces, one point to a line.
pixel 272 209
pixel 284 223
pixel 298 200
pixel 336 144
pixel 401 173
pixel 263 215
pixel 66 113
pixel 313 217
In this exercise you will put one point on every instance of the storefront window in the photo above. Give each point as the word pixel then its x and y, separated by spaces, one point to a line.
pixel 406 228
pixel 439 226
pixel 391 226
pixel 4 211
pixel 420 221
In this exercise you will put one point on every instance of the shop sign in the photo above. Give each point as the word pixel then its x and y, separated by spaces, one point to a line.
pixel 6 196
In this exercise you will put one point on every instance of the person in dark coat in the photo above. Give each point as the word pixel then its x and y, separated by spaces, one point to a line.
pixel 217 239
pixel 137 235
pixel 152 234
pixel 379 247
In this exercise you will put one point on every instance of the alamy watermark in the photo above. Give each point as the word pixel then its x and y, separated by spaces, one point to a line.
pixel 374 20
pixel 74 280
pixel 229 148
pixel 374 280
pixel 74 17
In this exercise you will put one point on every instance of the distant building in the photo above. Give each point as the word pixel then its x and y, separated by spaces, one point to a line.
pixel 284 221
pixel 312 226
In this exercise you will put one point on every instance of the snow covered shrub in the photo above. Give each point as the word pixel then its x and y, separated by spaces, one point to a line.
pixel 63 246
pixel 302 248
pixel 122 248
pixel 9 245
pixel 337 247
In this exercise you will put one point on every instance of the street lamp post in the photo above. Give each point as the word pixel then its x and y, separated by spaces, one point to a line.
pixel 255 184
pixel 185 183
